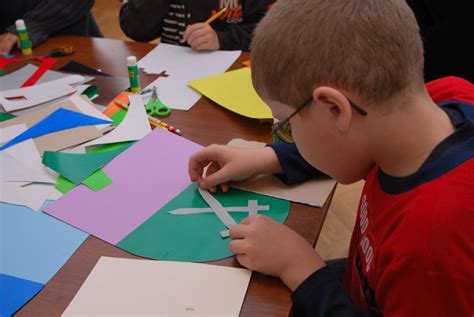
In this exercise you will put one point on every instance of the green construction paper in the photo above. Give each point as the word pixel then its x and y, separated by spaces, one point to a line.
pixel 118 117
pixel 64 185
pixel 194 238
pixel 91 91
pixel 97 181
pixel 110 147
pixel 5 116
pixel 78 167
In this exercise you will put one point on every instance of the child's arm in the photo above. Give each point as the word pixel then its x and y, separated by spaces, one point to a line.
pixel 227 163
pixel 237 36
pixel 266 246
pixel 142 20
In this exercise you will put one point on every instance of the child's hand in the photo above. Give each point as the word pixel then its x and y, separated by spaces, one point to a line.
pixel 201 36
pixel 266 246
pixel 227 163
pixel 7 41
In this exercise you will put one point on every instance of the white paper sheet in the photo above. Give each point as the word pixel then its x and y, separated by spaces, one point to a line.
pixel 134 126
pixel 26 153
pixel 38 94
pixel 29 195
pixel 130 287
pixel 13 170
pixel 183 64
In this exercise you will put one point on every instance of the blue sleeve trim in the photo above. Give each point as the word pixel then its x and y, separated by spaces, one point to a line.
pixel 295 168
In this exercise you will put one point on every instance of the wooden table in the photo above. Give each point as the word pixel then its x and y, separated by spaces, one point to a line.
pixel 205 123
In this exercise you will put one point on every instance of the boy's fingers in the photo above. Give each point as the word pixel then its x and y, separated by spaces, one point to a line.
pixel 198 41
pixel 238 231
pixel 238 246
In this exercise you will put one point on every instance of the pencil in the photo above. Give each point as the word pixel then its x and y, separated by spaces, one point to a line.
pixel 215 16
pixel 153 121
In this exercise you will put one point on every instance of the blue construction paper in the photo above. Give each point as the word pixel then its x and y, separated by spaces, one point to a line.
pixel 15 292
pixel 61 119
pixel 34 245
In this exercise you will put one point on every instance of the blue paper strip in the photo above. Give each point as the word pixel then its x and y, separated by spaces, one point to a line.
pixel 15 292
pixel 34 245
pixel 61 119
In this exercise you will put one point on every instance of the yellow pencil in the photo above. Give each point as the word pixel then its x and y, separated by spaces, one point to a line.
pixel 215 16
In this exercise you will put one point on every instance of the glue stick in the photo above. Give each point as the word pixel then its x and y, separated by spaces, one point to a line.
pixel 25 43
pixel 133 74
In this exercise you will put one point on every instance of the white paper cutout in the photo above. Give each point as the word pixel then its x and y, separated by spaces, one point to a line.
pixel 27 154
pixel 38 94
pixel 24 194
pixel 134 126
pixel 183 64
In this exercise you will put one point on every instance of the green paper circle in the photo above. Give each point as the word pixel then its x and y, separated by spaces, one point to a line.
pixel 195 237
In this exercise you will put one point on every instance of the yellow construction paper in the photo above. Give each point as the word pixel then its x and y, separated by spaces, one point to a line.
pixel 234 91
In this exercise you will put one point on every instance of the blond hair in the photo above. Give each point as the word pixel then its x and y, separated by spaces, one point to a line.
pixel 370 48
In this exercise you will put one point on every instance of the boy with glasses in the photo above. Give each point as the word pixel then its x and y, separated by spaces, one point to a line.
pixel 369 116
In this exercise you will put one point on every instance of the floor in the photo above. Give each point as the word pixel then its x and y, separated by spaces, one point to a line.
pixel 335 236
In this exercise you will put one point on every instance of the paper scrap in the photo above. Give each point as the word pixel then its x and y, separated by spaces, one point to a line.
pixel 21 98
pixel 183 64
pixel 26 153
pixel 195 237
pixel 134 127
pixel 13 170
pixel 157 288
pixel 78 167
pixel 145 178
pixel 30 195
pixel 97 181
pixel 59 140
pixel 61 119
pixel 234 91
pixel 39 247
pixel 314 192
pixel 15 292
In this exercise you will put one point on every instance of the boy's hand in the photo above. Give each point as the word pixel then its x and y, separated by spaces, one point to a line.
pixel 266 246
pixel 7 41
pixel 227 163
pixel 201 36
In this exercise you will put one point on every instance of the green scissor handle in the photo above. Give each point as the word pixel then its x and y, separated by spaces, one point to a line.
pixel 155 107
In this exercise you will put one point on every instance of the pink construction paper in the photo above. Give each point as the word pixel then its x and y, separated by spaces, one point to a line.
pixel 144 179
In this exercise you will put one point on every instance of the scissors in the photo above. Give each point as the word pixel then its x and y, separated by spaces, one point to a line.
pixel 155 107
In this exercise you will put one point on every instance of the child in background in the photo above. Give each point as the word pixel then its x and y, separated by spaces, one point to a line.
pixel 182 22
pixel 348 76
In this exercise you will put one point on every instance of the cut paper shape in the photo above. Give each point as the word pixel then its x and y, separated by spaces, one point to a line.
pixel 112 107
pixel 59 140
pixel 26 153
pixel 61 119
pixel 78 167
pixel 86 107
pixel 15 292
pixel 130 287
pixel 30 195
pixel 145 178
pixel 39 247
pixel 183 64
pixel 195 237
pixel 134 126
pixel 313 192
pixel 46 64
pixel 252 209
pixel 5 116
pixel 97 181
pixel 234 91
pixel 13 170
pixel 21 98
pixel 63 185
pixel 219 210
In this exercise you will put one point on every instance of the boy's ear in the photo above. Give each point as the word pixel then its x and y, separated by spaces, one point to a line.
pixel 335 104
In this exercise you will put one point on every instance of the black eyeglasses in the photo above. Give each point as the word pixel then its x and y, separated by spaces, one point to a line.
pixel 282 130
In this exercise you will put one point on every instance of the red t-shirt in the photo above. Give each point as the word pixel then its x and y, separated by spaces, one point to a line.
pixel 412 250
